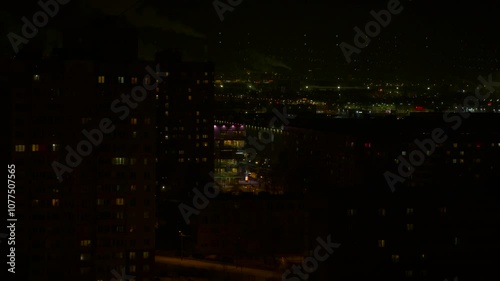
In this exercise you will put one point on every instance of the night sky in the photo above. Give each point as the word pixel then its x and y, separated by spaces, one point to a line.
pixel 454 37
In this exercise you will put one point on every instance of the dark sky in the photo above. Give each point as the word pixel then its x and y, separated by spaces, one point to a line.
pixel 282 23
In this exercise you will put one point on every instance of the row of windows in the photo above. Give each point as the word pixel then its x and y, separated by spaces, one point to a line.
pixel 127 161
pixel 36 147
pixel 133 121
pixel 382 211
pixel 204 159
pixel 101 79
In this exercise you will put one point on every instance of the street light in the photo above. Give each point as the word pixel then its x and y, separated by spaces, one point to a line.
pixel 182 235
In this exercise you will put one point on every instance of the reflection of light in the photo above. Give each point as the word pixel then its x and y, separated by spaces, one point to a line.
pixel 246 178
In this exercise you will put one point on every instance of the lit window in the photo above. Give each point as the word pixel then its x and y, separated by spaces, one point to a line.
pixel 381 212
pixel 409 273
pixel 55 202
pixel 131 255
pixel 409 227
pixel 119 161
pixel 197 113
pixel 35 147
pixel 205 144
pixel 454 161
pixel 147 121
pixel 133 187
pixel 381 243
pixel 409 211
pixel 145 255
pixel 134 134
pixel 132 268
pixel 181 160
pixel 100 202
pixel 84 257
pixel 55 147
pixel 189 98
pixel 100 79
pixel 462 152
pixel 121 79
pixel 85 243
pixel 462 161
pixel 204 159
pixel 36 77
pixel 133 80
pixel 205 136
pixel 455 241
pixel 20 148
pixel 119 215
pixel 166 113
pixel 119 201
pixel 455 145
pixel 181 151
pixel 395 258
pixel 351 212
pixel 403 153
pixel 133 121
pixel 86 120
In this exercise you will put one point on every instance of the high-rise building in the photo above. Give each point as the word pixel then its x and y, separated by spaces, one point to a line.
pixel 83 142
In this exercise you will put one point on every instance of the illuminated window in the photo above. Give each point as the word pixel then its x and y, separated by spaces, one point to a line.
pixel 197 113
pixel 119 201
pixel 55 147
pixel 181 160
pixel 147 121
pixel 454 161
pixel 409 227
pixel 121 79
pixel 166 113
pixel 205 136
pixel 133 121
pixel 133 80
pixel 205 144
pixel 351 212
pixel 381 212
pixel 462 161
pixel 381 243
pixel 455 145
pixel 204 159
pixel 189 98
pixel 36 77
pixel 119 215
pixel 84 257
pixel 131 268
pixel 455 241
pixel 145 255
pixel 55 202
pixel 395 258
pixel 100 79
pixel 462 152
pixel 409 273
pixel 147 80
pixel 86 120
pixel 100 202
pixel 409 211
pixel 35 147
pixel 131 255
pixel 85 243
pixel 119 161
pixel 133 187
pixel 403 152
pixel 134 134
pixel 20 148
